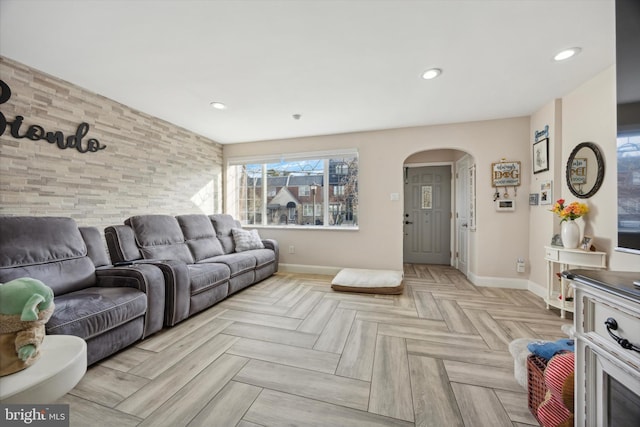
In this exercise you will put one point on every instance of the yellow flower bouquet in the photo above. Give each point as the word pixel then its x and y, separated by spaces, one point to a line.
pixel 571 211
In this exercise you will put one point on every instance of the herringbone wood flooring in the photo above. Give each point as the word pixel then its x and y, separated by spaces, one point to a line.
pixel 290 351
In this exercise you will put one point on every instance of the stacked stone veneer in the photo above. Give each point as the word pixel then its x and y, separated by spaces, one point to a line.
pixel 149 166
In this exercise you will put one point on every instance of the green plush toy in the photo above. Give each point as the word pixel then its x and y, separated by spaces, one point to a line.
pixel 25 307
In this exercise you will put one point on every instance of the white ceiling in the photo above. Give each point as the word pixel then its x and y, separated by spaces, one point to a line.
pixel 345 66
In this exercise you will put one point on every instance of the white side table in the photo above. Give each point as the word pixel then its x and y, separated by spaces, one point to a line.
pixel 61 366
pixel 566 258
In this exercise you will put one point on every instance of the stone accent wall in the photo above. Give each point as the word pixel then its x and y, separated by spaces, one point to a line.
pixel 149 166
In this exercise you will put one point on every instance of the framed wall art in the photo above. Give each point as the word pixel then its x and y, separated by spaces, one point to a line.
pixel 533 199
pixel 541 156
pixel 505 174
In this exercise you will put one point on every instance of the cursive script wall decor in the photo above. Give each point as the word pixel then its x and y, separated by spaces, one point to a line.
pixel 36 133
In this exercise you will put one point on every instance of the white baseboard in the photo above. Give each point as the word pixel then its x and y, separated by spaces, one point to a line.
pixel 498 282
pixel 309 269
pixel 537 289
pixel 512 283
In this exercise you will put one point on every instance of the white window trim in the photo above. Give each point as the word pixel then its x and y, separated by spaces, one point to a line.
pixel 310 155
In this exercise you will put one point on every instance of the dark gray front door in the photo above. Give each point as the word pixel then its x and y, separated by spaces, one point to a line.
pixel 427 215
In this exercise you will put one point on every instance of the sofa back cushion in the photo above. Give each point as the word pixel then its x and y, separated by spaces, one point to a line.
pixel 50 249
pixel 160 237
pixel 223 224
pixel 200 236
pixel 95 246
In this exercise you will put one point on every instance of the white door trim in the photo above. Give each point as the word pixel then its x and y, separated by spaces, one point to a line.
pixel 462 189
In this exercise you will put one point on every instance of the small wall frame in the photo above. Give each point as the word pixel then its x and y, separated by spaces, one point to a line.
pixel 546 192
pixel 533 199
pixel 586 243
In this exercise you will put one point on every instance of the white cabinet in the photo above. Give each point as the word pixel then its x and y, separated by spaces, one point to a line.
pixel 607 375
pixel 557 289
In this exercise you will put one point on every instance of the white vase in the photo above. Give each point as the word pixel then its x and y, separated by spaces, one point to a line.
pixel 570 233
pixel 581 225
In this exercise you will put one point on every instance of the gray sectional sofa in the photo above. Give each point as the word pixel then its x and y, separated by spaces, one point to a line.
pixel 164 270
pixel 109 307
pixel 197 255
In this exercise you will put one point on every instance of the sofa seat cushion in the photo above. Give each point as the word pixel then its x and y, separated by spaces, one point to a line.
pixel 89 312
pixel 205 276
pixel 237 263
pixel 263 256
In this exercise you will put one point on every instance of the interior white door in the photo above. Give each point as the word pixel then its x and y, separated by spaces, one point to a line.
pixel 463 199
pixel 427 215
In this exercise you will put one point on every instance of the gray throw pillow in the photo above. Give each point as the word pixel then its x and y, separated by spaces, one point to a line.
pixel 246 239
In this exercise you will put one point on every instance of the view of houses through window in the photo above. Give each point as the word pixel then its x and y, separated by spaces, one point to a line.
pixel 319 192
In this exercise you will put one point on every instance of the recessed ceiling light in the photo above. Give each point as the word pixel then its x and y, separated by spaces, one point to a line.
pixel 567 53
pixel 431 73
pixel 218 105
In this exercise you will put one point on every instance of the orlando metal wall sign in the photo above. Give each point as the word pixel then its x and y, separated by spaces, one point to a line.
pixel 36 133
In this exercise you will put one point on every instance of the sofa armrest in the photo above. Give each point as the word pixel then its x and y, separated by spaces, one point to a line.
pixel 146 278
pixel 273 245
pixel 121 242
pixel 177 287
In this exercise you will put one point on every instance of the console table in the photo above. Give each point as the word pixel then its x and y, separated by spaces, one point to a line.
pixel 567 257
pixel 61 366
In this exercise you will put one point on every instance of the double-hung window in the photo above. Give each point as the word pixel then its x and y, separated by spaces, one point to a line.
pixel 296 190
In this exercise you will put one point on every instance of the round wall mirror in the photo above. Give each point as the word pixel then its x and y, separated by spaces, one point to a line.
pixel 585 170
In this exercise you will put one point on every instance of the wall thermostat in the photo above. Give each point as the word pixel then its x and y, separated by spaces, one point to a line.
pixel 505 205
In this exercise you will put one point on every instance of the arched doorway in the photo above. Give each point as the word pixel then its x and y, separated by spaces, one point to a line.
pixel 437 208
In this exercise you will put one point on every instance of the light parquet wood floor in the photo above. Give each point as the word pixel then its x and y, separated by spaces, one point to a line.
pixel 290 351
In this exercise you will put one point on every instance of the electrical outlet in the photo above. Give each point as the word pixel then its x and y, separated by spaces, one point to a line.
pixel 520 266
pixel 292 249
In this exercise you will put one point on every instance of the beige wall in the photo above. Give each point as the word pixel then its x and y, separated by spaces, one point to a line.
pixel 500 237
pixel 149 165
pixel 544 224
pixel 589 114
pixel 434 156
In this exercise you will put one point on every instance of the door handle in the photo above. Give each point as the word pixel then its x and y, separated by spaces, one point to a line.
pixel 464 225
pixel 408 222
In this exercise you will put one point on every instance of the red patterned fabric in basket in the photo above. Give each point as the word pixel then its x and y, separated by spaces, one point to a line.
pixel 557 409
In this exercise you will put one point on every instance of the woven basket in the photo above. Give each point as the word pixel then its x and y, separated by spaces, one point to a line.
pixel 536 387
